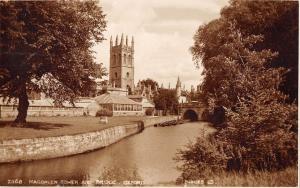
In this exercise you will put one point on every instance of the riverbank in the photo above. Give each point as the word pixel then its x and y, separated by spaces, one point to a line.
pixel 41 127
pixel 150 152
pixel 65 144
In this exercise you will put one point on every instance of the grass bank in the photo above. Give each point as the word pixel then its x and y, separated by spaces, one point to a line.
pixel 284 178
pixel 38 127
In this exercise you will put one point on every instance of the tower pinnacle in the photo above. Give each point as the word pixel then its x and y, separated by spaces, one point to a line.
pixel 111 42
pixel 192 89
pixel 117 41
pixel 178 87
pixel 132 43
pixel 178 84
pixel 122 40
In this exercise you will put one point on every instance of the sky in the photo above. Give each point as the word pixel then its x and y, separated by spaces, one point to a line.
pixel 163 33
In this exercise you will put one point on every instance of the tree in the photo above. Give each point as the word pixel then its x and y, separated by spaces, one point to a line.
pixel 150 82
pixel 100 71
pixel 277 23
pixel 166 99
pixel 46 47
pixel 258 129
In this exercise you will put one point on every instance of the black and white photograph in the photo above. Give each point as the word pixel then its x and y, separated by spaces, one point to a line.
pixel 149 93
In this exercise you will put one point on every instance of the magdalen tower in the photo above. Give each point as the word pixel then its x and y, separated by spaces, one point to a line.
pixel 121 70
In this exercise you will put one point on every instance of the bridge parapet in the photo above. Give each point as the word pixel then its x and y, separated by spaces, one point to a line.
pixel 190 110
pixel 192 105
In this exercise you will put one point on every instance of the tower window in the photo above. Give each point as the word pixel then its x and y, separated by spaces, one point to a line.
pixel 127 74
pixel 129 59
pixel 124 58
pixel 116 75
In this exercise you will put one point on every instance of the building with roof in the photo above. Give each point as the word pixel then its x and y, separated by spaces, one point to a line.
pixel 119 105
pixel 41 107
pixel 118 92
pixel 146 103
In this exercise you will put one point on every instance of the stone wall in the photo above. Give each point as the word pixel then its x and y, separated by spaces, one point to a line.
pixel 51 147
pixel 155 120
pixel 128 113
pixel 11 111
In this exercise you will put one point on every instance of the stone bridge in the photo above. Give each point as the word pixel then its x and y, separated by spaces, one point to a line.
pixel 192 111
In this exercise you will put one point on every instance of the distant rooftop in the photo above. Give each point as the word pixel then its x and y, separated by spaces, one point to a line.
pixel 135 96
pixel 109 98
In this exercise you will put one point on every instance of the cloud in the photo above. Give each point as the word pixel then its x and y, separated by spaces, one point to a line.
pixel 163 31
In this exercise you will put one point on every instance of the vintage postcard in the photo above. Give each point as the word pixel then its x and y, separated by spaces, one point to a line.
pixel 144 93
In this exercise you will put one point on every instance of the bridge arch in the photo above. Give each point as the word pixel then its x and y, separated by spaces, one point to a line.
pixel 190 114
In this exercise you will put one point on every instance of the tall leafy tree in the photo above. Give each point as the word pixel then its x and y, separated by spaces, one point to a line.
pixel 166 100
pixel 260 128
pixel 258 134
pixel 46 47
pixel 276 21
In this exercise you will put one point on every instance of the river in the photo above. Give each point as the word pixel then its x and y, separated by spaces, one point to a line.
pixel 151 153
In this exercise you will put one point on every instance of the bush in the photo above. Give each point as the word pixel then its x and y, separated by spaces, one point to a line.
pixel 218 116
pixel 200 159
pixel 149 111
pixel 258 137
pixel 104 112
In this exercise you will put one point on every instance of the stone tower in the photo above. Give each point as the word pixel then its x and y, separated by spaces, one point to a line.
pixel 121 69
pixel 178 87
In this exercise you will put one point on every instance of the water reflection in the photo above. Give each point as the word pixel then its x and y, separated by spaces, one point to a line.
pixel 151 152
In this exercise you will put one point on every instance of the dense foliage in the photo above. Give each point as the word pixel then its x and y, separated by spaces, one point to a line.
pixel 149 111
pixel 166 100
pixel 200 160
pixel 276 21
pixel 46 47
pixel 150 82
pixel 104 112
pixel 259 130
